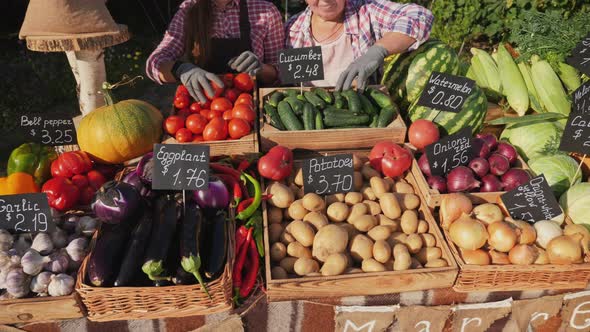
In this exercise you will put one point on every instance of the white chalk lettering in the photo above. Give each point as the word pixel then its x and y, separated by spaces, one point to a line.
pixel 577 311
pixel 466 322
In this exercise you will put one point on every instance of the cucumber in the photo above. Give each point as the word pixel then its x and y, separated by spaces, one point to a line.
pixel 378 97
pixel 273 116
pixel 374 121
pixel 296 105
pixel 324 94
pixel 308 116
pixel 314 99
pixel 345 119
pixel 291 93
pixel 354 102
pixel 339 100
pixel 319 122
pixel 368 107
pixel 288 117
pixel 275 98
pixel 386 115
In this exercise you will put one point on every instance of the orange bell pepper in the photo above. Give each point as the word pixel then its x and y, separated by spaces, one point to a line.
pixel 18 183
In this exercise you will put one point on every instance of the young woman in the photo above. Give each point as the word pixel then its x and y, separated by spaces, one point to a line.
pixel 209 37
pixel 357 35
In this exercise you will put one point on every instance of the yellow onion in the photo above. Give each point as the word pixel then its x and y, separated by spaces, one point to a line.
pixel 452 207
pixel 488 213
pixel 583 231
pixel 468 234
pixel 476 257
pixel 565 249
pixel 525 233
pixel 499 258
pixel 543 258
pixel 501 236
pixel 523 254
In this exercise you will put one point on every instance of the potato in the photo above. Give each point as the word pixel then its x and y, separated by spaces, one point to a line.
pixel 368 172
pixel 297 191
pixel 428 239
pixel 422 226
pixel 299 177
pixel 357 210
pixel 384 221
pixel 353 198
pixel 390 206
pixel 368 193
pixel 274 232
pixel 302 232
pixel 316 219
pixel 334 198
pixel 364 223
pixel 282 196
pixel 286 238
pixel 381 251
pixel 380 232
pixel 401 258
pixel 350 229
pixel 296 249
pixel 379 186
pixel 409 222
pixel 334 265
pixel 371 265
pixel 414 243
pixel 313 202
pixel 278 251
pixel 330 239
pixel 358 181
pixel 338 212
pixel 440 262
pixel 357 162
pixel 361 248
pixel 286 216
pixel 390 182
pixel 408 201
pixel 352 270
pixel 403 188
pixel 278 272
pixel 296 210
pixel 399 249
pixel 416 264
pixel 428 254
pixel 305 266
pixel 274 215
pixel 374 207
pixel 288 263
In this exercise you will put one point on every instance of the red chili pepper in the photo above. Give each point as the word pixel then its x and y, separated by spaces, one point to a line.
pixel 245 203
pixel 241 234
pixel 232 184
pixel 239 264
pixel 244 164
pixel 252 273
pixel 219 168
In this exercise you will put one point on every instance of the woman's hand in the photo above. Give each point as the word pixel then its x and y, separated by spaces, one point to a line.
pixel 362 68
pixel 197 80
pixel 247 62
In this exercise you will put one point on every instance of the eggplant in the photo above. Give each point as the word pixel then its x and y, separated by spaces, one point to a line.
pixel 189 247
pixel 135 252
pixel 105 260
pixel 183 278
pixel 213 243
pixel 163 230
pixel 172 261
pixel 116 202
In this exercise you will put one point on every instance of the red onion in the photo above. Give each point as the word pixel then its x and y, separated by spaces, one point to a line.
pixel 515 177
pixel 461 179
pixel 438 183
pixel 498 164
pixel 507 151
pixel 490 140
pixel 216 196
pixel 490 183
pixel 480 166
pixel 480 148
pixel 424 165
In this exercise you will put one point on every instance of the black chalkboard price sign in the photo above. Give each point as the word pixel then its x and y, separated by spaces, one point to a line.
pixel 26 213
pixel 328 175
pixel 580 56
pixel 532 202
pixel 298 65
pixel 576 136
pixel 49 129
pixel 181 167
pixel 446 92
pixel 450 152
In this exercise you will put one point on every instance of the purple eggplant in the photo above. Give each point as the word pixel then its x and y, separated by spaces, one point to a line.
pixel 105 260
pixel 115 201
pixel 145 168
pixel 214 197
pixel 134 254
pixel 133 179
pixel 162 236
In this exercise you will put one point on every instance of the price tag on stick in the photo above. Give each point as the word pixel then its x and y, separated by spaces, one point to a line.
pixel 446 92
pixel 580 56
pixel 532 202
pixel 298 65
pixel 328 175
pixel 26 213
pixel 576 135
pixel 49 129
pixel 450 152
pixel 181 167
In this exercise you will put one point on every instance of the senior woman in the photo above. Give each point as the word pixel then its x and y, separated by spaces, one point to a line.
pixel 357 35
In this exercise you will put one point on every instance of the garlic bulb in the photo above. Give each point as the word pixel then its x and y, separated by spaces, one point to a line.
pixel 57 263
pixel 6 240
pixel 17 283
pixel 86 226
pixel 23 243
pixel 40 282
pixel 42 243
pixel 61 285
pixel 32 262
pixel 77 249
pixel 59 238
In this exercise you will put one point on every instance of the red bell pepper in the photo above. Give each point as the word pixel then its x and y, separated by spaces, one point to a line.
pixel 71 163
pixel 62 194
pixel 96 179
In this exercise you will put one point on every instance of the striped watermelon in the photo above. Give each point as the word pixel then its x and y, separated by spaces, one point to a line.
pixel 471 115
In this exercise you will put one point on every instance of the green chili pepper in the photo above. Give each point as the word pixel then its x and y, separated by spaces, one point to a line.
pixel 255 222
pixel 249 211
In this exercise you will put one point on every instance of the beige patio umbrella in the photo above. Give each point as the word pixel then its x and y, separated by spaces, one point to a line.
pixel 80 28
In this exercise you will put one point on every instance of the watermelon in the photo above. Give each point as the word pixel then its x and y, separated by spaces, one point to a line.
pixel 472 114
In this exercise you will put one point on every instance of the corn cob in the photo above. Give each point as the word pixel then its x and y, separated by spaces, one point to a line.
pixel 483 64
pixel 525 70
pixel 549 87
pixel 569 76
pixel 513 83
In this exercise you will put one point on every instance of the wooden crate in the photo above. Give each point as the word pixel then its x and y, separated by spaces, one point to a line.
pixel 29 310
pixel 362 284
pixel 327 139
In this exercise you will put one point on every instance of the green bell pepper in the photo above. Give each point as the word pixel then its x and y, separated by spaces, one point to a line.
pixel 34 159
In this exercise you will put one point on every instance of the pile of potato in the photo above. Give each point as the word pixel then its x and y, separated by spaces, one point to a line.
pixel 376 228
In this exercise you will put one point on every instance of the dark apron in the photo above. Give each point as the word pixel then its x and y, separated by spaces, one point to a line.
pixel 224 49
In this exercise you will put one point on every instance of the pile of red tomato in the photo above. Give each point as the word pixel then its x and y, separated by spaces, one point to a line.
pixel 229 114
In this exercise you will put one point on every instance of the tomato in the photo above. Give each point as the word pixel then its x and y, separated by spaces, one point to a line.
pixel 198 138
pixel 195 108
pixel 80 181
pixel 96 179
pixel 215 130
pixel 185 112
pixel 184 135
pixel 423 133
pixel 206 105
pixel 276 164
pixel 217 90
pixel 173 123
pixel 238 128
pixel 196 123
pixel 228 80
pixel 205 113
pixel 243 82
pixel 243 111
pixel 214 114
pixel 231 94
pixel 227 115
pixel 390 159
pixel 221 104
pixel 181 101
pixel 181 90
pixel 86 195
pixel 244 98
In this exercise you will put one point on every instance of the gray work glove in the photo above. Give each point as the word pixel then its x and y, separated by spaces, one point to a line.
pixel 247 62
pixel 362 68
pixel 196 80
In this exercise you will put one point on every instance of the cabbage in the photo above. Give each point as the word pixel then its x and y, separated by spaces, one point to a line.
pixel 576 203
pixel 534 139
pixel 559 170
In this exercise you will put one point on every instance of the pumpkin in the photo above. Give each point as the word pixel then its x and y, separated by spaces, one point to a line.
pixel 118 132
